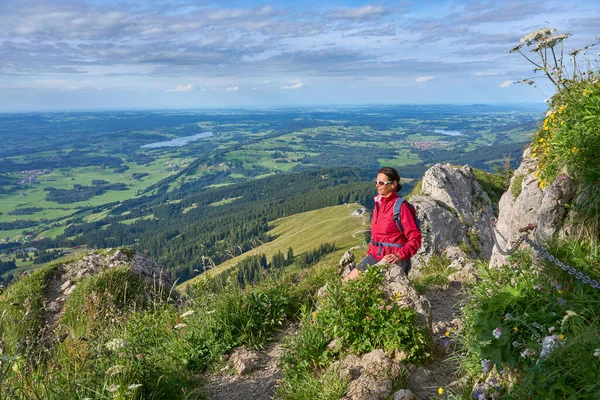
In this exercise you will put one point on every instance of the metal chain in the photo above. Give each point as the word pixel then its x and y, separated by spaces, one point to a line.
pixel 543 252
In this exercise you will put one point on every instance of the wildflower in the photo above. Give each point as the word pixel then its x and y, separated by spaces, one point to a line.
pixel 380 307
pixel 597 353
pixel 516 328
pixel 115 369
pixel 561 336
pixel 549 343
pixel 397 296
pixel 134 386
pixel 574 149
pixel 479 394
pixel 537 287
pixel 116 344
pixel 440 391
pixel 558 286
pixel 447 333
pixel 559 291
pixel 186 314
pixel 486 366
pixel 586 92
pixel 497 332
pixel 368 318
pixel 551 329
pixel 388 307
pixel 113 388
pixel 528 352
pixel 180 326
pixel 561 301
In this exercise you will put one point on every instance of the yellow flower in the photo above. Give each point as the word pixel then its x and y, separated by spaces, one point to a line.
pixel 541 140
pixel 574 149
pixel 516 328
pixel 534 155
pixel 314 314
pixel 441 391
pixel 586 92
pixel 559 291
pixel 561 336
pixel 537 174
pixel 447 333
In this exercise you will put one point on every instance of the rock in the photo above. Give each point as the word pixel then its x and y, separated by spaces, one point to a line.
pixel 458 190
pixel 244 360
pixel 368 387
pixel 440 227
pixel 53 307
pixel 322 290
pixel 397 286
pixel 65 285
pixel 371 376
pixel 552 212
pixel 455 254
pixel 346 263
pixel 69 290
pixel 404 394
pixel 466 275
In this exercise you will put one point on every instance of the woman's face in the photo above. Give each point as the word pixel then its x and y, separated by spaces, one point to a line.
pixel 385 190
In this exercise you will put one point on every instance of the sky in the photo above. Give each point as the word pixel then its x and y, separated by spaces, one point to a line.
pixel 157 54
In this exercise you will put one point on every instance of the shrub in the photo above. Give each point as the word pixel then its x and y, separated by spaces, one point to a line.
pixel 542 325
pixel 359 316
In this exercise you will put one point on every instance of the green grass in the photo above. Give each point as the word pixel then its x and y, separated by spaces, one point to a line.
pixel 222 202
pixel 306 231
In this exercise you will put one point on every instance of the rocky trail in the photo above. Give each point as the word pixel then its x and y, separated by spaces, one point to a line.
pixel 254 375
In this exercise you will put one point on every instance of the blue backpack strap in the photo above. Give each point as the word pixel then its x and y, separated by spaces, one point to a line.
pixel 397 219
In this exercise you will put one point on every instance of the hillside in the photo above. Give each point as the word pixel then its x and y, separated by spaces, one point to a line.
pixel 307 231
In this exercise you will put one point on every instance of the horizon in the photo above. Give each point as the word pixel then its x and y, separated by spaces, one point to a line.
pixel 85 55
pixel 540 105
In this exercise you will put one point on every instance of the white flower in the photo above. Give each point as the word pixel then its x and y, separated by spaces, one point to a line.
pixel 187 313
pixel 551 329
pixel 113 388
pixel 597 353
pixel 497 333
pixel 549 343
pixel 181 325
pixel 528 352
pixel 134 386
pixel 115 369
pixel 116 344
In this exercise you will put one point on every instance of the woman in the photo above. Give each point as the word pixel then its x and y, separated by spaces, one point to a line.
pixel 388 243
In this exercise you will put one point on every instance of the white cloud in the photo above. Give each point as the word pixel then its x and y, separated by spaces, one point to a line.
pixel 360 13
pixel 294 86
pixel 423 79
pixel 254 88
pixel 506 84
pixel 184 88
pixel 231 89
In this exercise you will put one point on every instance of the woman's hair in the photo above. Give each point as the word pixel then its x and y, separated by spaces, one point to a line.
pixel 393 175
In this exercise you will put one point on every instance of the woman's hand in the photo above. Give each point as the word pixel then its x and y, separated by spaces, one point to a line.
pixel 391 258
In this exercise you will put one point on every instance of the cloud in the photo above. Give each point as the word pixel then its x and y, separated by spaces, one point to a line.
pixel 506 84
pixel 184 88
pixel 231 89
pixel 294 86
pixel 360 13
pixel 423 79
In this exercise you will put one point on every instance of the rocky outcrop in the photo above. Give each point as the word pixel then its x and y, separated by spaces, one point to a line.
pixel 397 286
pixel 532 206
pixel 371 376
pixel 453 209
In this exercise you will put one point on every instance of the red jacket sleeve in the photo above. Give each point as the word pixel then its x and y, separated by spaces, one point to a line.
pixel 411 232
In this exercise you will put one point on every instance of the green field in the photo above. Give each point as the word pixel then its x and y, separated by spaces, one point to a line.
pixel 307 231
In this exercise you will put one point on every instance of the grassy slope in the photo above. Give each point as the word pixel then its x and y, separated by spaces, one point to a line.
pixel 306 231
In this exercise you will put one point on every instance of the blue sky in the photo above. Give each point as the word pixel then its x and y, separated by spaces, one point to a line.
pixel 94 54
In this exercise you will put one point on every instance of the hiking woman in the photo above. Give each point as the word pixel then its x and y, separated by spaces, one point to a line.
pixel 392 241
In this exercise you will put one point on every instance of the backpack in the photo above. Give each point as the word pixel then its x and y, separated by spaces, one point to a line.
pixel 397 206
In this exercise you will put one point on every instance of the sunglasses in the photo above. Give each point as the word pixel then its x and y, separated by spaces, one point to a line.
pixel 383 183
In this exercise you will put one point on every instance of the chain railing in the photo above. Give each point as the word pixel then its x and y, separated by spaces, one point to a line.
pixel 524 237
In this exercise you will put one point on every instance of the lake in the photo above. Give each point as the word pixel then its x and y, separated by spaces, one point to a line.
pixel 177 142
pixel 449 133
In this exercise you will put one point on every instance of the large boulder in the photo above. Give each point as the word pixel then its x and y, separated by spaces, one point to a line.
pixel 453 209
pixel 531 205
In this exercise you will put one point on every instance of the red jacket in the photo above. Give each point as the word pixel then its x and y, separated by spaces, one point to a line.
pixel 385 229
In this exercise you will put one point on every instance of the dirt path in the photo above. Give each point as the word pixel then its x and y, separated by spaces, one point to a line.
pixel 53 307
pixel 260 384
pixel 440 371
